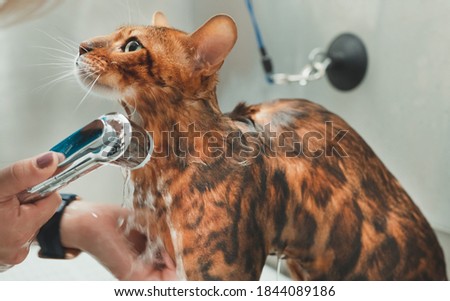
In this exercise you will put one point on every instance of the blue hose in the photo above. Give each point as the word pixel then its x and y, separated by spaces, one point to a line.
pixel 266 60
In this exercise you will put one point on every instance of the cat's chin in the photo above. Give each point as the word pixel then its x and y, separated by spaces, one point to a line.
pixel 105 92
pixel 97 88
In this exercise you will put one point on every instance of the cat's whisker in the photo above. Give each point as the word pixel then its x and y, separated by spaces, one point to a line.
pixel 70 54
pixel 91 86
pixel 133 106
pixel 139 10
pixel 129 12
pixel 54 78
pixel 52 58
pixel 90 74
pixel 62 76
pixel 60 64
pixel 84 48
pixel 59 74
pixel 71 45
pixel 69 42
pixel 134 109
pixel 127 9
pixel 60 41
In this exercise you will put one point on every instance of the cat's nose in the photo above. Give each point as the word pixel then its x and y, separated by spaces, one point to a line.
pixel 85 47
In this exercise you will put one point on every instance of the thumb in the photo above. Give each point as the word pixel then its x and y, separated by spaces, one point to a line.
pixel 27 173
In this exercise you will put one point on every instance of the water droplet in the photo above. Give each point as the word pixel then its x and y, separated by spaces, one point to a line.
pixel 278 266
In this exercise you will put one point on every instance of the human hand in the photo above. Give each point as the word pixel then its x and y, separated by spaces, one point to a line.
pixel 19 223
pixel 94 228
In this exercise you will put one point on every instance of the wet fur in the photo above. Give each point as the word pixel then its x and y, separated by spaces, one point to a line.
pixel 329 206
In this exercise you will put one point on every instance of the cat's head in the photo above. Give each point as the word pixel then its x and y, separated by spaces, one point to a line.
pixel 156 63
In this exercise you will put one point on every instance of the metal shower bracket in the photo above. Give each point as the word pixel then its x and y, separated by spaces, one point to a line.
pixel 349 62
pixel 344 63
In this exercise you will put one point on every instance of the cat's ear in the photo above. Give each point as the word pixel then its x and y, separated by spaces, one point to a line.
pixel 213 41
pixel 160 20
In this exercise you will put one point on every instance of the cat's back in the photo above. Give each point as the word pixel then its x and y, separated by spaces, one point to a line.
pixel 353 220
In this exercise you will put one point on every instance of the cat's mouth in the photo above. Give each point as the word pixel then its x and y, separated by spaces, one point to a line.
pixel 86 73
pixel 90 75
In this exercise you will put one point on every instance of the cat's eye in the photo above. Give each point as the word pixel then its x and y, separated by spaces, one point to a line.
pixel 132 45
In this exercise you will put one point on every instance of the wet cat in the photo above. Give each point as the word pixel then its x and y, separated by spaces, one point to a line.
pixel 223 191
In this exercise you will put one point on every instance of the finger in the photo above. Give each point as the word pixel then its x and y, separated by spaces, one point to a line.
pixel 137 240
pixel 143 270
pixel 120 257
pixel 29 172
pixel 38 213
pixel 170 264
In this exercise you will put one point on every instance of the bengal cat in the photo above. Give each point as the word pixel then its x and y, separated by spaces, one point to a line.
pixel 223 191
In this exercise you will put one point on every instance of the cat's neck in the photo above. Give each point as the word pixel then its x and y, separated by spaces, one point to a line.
pixel 181 125
pixel 163 111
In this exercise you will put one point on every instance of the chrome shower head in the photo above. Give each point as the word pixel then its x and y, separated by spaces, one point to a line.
pixel 109 139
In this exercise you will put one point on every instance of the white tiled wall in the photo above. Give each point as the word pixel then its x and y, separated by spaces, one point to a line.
pixel 402 108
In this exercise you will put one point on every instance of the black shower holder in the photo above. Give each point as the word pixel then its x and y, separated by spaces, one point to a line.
pixel 344 64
